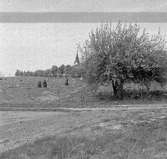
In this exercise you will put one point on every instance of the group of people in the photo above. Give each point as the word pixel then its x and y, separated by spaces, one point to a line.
pixel 44 83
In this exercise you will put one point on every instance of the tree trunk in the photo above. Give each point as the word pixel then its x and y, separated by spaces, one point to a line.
pixel 114 88
pixel 118 89
pixel 147 85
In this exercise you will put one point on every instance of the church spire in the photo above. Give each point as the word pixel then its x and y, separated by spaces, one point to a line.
pixel 77 62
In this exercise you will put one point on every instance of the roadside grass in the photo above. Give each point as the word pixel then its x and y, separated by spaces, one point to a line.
pixel 144 139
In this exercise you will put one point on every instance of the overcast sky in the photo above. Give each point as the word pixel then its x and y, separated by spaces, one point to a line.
pixel 31 46
pixel 83 5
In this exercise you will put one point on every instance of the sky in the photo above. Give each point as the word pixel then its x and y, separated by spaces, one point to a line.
pixel 32 46
pixel 82 5
pixel 39 45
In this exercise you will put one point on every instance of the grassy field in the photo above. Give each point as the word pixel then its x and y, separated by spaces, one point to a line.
pixel 22 92
pixel 120 133
pixel 16 91
pixel 100 135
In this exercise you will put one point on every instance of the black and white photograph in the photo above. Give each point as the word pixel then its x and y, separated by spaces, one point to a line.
pixel 83 79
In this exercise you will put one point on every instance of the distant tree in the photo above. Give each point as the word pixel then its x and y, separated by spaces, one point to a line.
pixel 28 73
pixel 48 73
pixel 18 73
pixel 39 73
pixel 68 69
pixel 124 53
pixel 54 70
pixel 62 69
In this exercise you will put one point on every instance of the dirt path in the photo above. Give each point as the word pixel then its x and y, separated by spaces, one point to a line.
pixel 85 108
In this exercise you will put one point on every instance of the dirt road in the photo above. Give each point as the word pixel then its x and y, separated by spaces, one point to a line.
pixel 85 108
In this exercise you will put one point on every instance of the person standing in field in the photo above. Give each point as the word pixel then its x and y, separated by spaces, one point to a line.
pixel 66 81
pixel 44 84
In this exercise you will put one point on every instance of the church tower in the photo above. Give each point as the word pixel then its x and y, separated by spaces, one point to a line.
pixel 77 62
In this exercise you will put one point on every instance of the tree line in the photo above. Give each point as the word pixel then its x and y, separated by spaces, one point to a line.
pixel 54 71
pixel 75 71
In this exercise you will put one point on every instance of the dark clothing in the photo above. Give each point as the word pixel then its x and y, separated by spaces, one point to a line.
pixel 44 84
pixel 66 82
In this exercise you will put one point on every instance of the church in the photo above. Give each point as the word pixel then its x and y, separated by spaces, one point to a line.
pixel 77 61
pixel 78 69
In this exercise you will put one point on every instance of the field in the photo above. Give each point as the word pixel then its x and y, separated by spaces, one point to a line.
pixel 46 128
pixel 22 93
pixel 123 134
